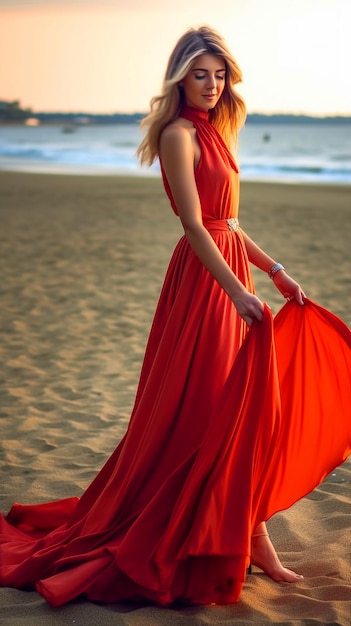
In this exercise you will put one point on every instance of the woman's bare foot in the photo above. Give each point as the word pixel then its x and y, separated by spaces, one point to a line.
pixel 264 556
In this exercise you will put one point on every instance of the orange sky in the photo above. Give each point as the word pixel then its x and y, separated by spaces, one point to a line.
pixel 110 55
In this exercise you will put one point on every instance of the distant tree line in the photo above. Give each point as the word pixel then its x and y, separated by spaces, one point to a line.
pixel 290 118
pixel 89 118
pixel 12 112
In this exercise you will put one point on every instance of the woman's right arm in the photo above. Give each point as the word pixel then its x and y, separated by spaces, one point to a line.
pixel 177 155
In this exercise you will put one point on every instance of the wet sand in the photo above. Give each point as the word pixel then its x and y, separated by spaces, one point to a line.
pixel 82 263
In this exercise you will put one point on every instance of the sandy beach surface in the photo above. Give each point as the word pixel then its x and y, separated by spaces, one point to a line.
pixel 82 263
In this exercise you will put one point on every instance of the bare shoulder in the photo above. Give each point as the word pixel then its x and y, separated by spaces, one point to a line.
pixel 177 134
pixel 177 154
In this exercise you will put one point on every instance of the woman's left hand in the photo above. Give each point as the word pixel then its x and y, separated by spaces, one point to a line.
pixel 288 287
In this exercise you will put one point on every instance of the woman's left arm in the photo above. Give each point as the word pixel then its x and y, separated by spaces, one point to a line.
pixel 288 287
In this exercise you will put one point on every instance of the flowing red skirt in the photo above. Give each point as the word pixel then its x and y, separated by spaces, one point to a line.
pixel 224 433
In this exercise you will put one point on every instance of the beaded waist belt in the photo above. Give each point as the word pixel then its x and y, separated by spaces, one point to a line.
pixel 231 223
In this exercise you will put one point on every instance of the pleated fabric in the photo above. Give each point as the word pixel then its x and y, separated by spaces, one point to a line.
pixel 229 426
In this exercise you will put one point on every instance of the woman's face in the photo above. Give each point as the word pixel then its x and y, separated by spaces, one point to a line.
pixel 204 83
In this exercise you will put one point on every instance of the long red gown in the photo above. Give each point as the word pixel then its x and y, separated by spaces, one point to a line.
pixel 229 426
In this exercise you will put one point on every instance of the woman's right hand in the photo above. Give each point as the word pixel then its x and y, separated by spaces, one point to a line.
pixel 248 306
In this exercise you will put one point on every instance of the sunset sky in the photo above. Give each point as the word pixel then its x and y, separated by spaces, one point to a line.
pixel 110 55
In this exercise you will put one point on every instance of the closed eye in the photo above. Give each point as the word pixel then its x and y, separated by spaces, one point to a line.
pixel 202 76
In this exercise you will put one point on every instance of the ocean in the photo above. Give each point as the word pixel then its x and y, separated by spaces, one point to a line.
pixel 287 153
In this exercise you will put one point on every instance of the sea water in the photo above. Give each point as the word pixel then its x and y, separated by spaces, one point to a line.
pixel 289 153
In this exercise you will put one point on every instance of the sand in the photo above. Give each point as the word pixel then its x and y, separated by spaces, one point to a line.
pixel 82 262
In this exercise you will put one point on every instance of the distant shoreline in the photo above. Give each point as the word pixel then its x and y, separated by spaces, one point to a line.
pixel 11 112
pixel 83 119
pixel 142 177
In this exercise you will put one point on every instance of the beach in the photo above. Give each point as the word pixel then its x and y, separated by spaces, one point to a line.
pixel 82 263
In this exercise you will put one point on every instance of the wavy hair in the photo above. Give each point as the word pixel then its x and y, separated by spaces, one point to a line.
pixel 227 116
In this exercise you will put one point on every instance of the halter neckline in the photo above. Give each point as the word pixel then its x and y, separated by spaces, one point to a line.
pixel 205 129
pixel 194 115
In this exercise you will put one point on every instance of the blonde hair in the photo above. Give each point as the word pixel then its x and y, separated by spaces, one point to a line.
pixel 229 113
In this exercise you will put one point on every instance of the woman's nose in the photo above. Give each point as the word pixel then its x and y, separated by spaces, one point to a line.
pixel 212 82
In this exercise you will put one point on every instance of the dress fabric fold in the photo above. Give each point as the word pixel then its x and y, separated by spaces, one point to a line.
pixel 229 426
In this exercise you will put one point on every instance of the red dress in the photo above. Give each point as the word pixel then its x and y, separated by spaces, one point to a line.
pixel 229 426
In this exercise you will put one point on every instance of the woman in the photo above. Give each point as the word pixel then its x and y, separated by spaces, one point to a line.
pixel 200 87
pixel 178 511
